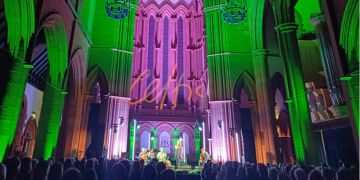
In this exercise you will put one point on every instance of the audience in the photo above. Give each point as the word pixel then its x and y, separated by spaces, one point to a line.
pixel 103 169
pixel 2 171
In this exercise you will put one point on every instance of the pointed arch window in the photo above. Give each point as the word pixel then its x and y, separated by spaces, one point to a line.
pixel 180 58
pixel 150 63
pixel 166 51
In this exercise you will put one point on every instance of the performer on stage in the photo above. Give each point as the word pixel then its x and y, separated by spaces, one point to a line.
pixel 143 154
pixel 162 156
pixel 179 154
pixel 151 154
pixel 204 157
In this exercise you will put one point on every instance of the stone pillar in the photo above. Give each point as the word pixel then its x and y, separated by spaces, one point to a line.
pixel 296 95
pixel 329 64
pixel 264 106
pixel 222 119
pixel 116 140
pixel 50 121
pixel 11 106
pixel 71 126
pixel 87 99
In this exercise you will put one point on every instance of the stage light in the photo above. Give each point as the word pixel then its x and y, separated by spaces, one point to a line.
pixel 138 126
pixel 237 147
pixel 133 150
pixel 200 129
pixel 203 138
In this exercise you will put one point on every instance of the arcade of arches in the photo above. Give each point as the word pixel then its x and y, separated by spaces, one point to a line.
pixel 282 85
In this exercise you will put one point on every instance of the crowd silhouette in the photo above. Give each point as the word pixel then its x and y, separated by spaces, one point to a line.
pixel 14 168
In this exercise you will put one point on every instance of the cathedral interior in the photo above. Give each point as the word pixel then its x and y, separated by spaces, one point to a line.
pixel 260 81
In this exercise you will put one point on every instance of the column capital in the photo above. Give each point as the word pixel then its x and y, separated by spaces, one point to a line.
pixel 117 97
pixel 317 19
pixel 260 52
pixel 287 27
pixel 28 66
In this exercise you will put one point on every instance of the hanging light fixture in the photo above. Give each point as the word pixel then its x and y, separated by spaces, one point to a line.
pixel 117 9
pixel 234 12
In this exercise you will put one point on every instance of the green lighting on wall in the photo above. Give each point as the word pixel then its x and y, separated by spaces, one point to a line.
pixel 20 20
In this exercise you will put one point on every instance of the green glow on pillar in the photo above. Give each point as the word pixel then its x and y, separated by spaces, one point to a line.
pixel 349 34
pixel 9 112
pixel 175 134
pixel 131 139
pixel 87 14
pixel 154 140
pixel 20 17
pixel 306 8
pixel 50 121
pixel 53 100
pixel 197 142
pixel 56 41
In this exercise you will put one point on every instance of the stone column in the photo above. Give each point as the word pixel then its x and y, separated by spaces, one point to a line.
pixel 264 107
pixel 296 95
pixel 11 106
pixel 117 139
pixel 50 121
pixel 329 64
pixel 222 118
pixel 84 124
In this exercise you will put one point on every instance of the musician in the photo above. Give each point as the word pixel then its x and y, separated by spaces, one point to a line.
pixel 151 154
pixel 179 151
pixel 162 155
pixel 204 157
pixel 143 154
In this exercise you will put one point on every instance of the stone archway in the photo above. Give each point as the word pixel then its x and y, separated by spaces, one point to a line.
pixel 94 112
pixel 52 29
pixel 28 137
pixel 70 143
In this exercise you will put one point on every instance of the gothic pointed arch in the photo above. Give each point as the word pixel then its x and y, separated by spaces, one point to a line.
pixel 246 82
pixel 350 32
pixel 20 18
pixel 54 31
pixel 97 75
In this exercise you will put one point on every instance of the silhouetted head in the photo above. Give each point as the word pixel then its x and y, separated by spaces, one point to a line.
pixel 167 174
pixel 314 175
pixel 69 163
pixel 89 174
pixel 160 166
pixel 13 167
pixel 273 173
pixel 41 170
pixel 342 174
pixel 300 174
pixel 56 171
pixel 149 172
pixel 25 169
pixel 2 171
pixel 90 164
pixel 72 174
pixel 117 171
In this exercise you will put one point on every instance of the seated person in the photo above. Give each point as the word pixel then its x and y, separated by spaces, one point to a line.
pixel 162 157
pixel 143 154
pixel 204 157
pixel 151 154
